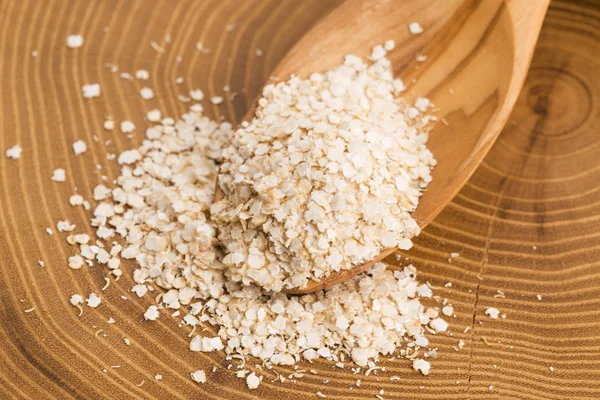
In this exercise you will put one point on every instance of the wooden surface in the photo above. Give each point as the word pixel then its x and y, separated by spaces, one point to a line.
pixel 526 223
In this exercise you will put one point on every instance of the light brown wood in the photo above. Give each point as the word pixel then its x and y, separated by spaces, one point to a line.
pixel 478 56
pixel 536 187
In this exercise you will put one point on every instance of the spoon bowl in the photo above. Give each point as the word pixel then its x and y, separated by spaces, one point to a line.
pixel 477 54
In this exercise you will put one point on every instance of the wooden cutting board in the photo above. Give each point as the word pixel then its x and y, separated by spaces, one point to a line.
pixel 526 224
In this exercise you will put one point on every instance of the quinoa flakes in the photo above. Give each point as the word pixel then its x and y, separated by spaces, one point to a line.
pixel 317 174
pixel 325 176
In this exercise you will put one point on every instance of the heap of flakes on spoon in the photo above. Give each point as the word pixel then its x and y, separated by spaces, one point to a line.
pixel 324 177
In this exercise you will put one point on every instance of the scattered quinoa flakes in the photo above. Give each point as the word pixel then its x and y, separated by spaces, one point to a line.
pixel 151 313
pixel 422 366
pixel 93 300
pixel 14 152
pixel 127 126
pixel 147 93
pixel 79 147
pixel 492 312
pixel 76 299
pixel 58 175
pixel 142 74
pixel 197 95
pixel 415 28
pixel 253 381
pixel 216 100
pixel 65 226
pixel 91 90
pixel 199 376
pixel 153 115
pixel 74 41
pixel 109 124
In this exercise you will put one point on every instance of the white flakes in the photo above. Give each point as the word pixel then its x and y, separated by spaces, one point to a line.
pixel 127 341
pixel 424 291
pixel 447 311
pixel 113 263
pixel 79 147
pixel 539 297
pixel 340 169
pixel 158 377
pixel 101 192
pixel 65 226
pixel 253 381
pixel 142 74
pixel 93 300
pixel 205 344
pixel 461 344
pixel 91 90
pixel 198 376
pixel 109 124
pixel 197 95
pixel 14 152
pixel 321 395
pixel 140 290
pixel 34 53
pixel 389 45
pixel 259 53
pixel 439 324
pixel 127 126
pixel 146 93
pixel 422 104
pixel 378 53
pixel 129 157
pixel 551 368
pixel 151 313
pixel 415 28
pixel 160 208
pixel 74 41
pixel 492 312
pixel 81 238
pixel 41 263
pixel 153 115
pixel 111 320
pixel 76 262
pixel 76 200
pixel 49 231
pixel 58 175
pixel 76 299
pixel 421 365
pixel 216 100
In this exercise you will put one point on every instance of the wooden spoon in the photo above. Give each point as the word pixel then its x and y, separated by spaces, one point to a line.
pixel 477 57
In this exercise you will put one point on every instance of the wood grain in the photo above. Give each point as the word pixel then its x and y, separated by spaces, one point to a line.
pixel 526 222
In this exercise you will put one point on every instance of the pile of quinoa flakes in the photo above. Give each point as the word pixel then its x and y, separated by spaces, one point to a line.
pixel 324 177
pixel 157 213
